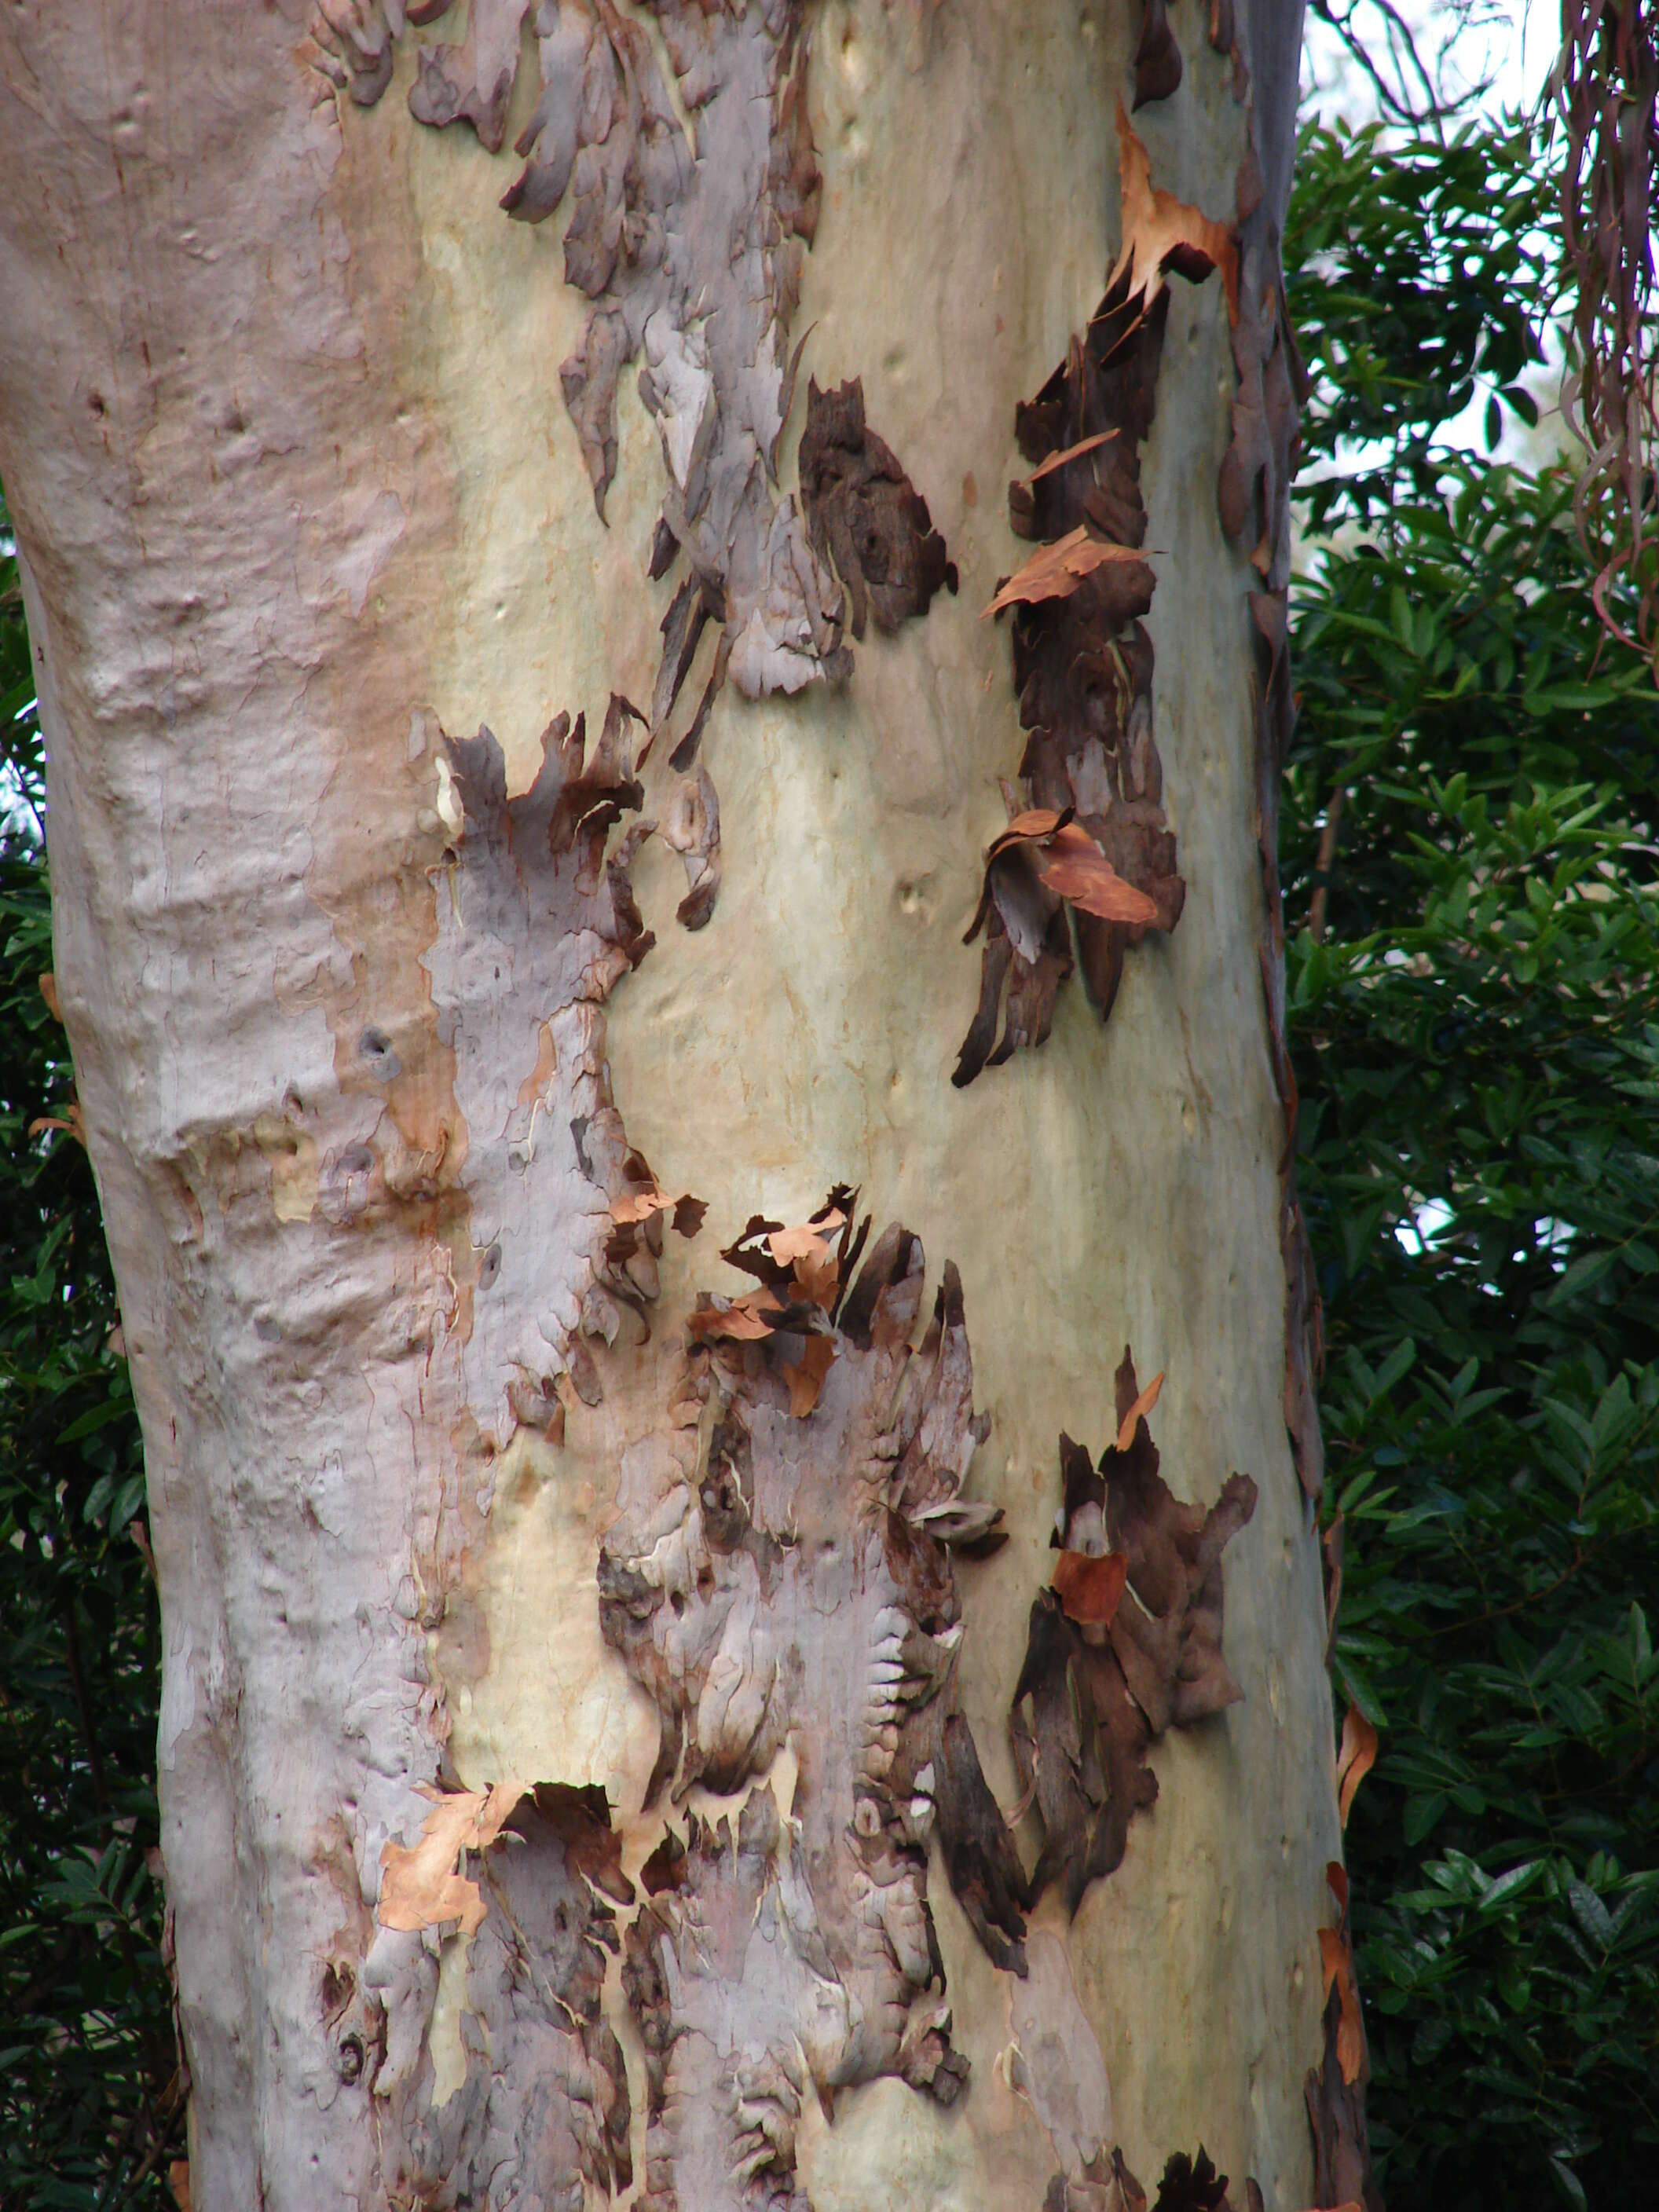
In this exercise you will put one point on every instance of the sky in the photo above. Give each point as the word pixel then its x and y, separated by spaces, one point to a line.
pixel 1511 42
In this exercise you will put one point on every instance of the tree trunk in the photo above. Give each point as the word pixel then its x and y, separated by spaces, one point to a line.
pixel 477 1473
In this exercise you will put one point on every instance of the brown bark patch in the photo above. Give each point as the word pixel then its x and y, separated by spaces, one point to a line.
pixel 780 1573
pixel 863 514
pixel 1126 1644
pixel 1082 661
pixel 1158 64
pixel 1336 2087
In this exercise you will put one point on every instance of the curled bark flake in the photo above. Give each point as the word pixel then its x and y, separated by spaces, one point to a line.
pixel 420 1886
pixel 537 923
pixel 1125 1644
pixel 1356 1756
pixel 1058 570
pixel 1335 2089
pixel 1082 661
pixel 1158 57
pixel 691 828
pixel 863 514
pixel 782 1572
pixel 1162 232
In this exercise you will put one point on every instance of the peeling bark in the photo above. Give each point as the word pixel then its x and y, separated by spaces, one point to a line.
pixel 864 512
pixel 1083 661
pixel 1113 1662
pixel 537 923
pixel 1336 2087
pixel 691 253
pixel 780 1573
pixel 545 2110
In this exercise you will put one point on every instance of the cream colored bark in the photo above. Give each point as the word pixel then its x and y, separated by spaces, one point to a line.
pixel 296 485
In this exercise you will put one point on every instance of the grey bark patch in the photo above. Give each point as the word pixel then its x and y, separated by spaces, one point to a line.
pixel 537 923
pixel 783 1577
pixel 1100 1691
pixel 544 2110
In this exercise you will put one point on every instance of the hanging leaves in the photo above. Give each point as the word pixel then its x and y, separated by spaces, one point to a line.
pixel 1606 90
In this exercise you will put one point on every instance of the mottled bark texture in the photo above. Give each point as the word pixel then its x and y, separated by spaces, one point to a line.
pixel 585 1760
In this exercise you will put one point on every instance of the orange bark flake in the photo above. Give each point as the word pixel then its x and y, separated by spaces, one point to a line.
pixel 1054 572
pixel 1161 233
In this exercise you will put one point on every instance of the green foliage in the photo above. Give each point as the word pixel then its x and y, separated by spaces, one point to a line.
pixel 1477 1043
pixel 1419 271
pixel 86 2037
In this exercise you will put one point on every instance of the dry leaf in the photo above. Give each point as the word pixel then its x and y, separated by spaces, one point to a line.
pixel 1356 1759
pixel 420 1886
pixel 1054 572
pixel 179 2182
pixel 1162 232
pixel 1088 1585
pixel 1139 1411
pixel 49 993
